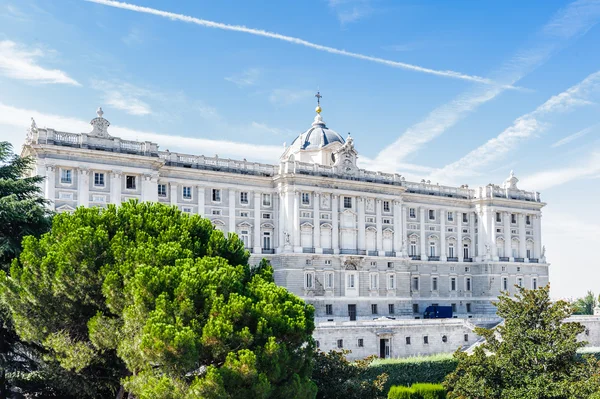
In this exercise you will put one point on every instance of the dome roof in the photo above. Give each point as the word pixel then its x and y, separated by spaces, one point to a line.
pixel 318 136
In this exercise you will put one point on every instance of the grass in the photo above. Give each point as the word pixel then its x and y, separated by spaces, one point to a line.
pixel 413 359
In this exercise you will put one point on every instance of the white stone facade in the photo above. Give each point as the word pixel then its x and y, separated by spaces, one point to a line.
pixel 355 243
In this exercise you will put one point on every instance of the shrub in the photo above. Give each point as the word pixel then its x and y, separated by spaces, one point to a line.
pixel 417 391
pixel 400 392
pixel 429 391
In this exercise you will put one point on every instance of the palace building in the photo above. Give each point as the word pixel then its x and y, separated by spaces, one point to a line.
pixel 369 250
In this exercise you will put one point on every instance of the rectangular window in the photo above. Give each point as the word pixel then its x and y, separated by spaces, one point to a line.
pixel 391 309
pixel 520 282
pixel 266 240
pixel 266 216
pixel 431 214
pixel 504 284
pixel 307 215
pixel 243 197
pixel 98 179
pixel 413 248
pixel 386 206
pixel 130 182
pixel 328 279
pixel 534 283
pixel 390 265
pixel 328 262
pixel 305 198
pixel 415 307
pixel 453 307
pixel 391 282
pixel 361 343
pixel 266 199
pixel 465 218
pixel 412 213
pixel 216 212
pixel 374 281
pixel 513 218
pixel 162 190
pixel 415 284
pixel 425 340
pixel 434 283
pixel 328 309
pixel 309 280
pixel 468 284
pixel 244 214
pixel 373 308
pixel 498 217
pixel 387 221
pixel 340 343
pixel 351 281
pixel 468 308
pixel 467 269
pixel 186 209
pixel 66 176
pixel 187 192
pixel 347 202
pixel 407 340
pixel 216 195
pixel 528 220
pixel 466 338
pixel 450 216
pixel 452 283
pixel 529 254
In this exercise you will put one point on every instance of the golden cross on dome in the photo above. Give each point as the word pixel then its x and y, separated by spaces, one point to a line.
pixel 319 96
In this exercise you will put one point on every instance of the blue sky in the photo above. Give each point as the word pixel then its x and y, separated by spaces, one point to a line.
pixel 456 92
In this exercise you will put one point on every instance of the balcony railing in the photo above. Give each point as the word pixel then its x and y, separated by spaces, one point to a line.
pixel 349 251
pixel 534 260
pixel 308 250
pixel 268 250
pixel 328 251
pixel 519 260
pixel 468 260
pixel 372 253
pixel 434 258
pixel 390 253
pixel 452 259
pixel 415 257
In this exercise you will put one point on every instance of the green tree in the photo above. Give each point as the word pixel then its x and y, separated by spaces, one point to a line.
pixel 585 305
pixel 336 377
pixel 531 355
pixel 149 300
pixel 22 212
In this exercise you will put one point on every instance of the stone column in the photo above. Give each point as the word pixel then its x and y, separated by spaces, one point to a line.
pixel 472 233
pixel 83 187
pixel 296 234
pixel 201 199
pixel 335 230
pixel 360 205
pixel 398 234
pixel 379 226
pixel 231 210
pixel 424 254
pixel 174 197
pixel 459 243
pixel 480 234
pixel 282 232
pixel 317 223
pixel 493 235
pixel 115 187
pixel 443 245
pixel 537 236
pixel 507 236
pixel 50 185
pixel 522 236
pixel 256 248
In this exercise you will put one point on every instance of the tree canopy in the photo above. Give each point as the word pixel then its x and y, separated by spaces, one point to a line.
pixel 585 305
pixel 531 355
pixel 161 304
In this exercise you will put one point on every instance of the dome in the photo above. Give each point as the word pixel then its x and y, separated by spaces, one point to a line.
pixel 318 136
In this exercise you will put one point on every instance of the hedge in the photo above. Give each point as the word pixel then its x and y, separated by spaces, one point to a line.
pixel 411 371
pixel 417 391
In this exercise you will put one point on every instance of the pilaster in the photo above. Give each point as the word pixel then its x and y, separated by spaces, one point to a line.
pixel 522 236
pixel 423 237
pixel 379 226
pixel 507 236
pixel 115 187
pixel 398 233
pixel 537 236
pixel 296 233
pixel 459 244
pixel 83 187
pixel 201 199
pixel 335 218
pixel 360 205
pixel 174 187
pixel 256 232
pixel 443 245
pixel 50 185
pixel 232 194
pixel 317 223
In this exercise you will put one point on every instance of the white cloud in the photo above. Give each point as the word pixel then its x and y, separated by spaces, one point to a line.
pixel 588 168
pixel 294 40
pixel 124 96
pixel 19 118
pixel 18 62
pixel 522 129
pixel 574 136
pixel 574 20
pixel 348 11
pixel 247 78
pixel 287 96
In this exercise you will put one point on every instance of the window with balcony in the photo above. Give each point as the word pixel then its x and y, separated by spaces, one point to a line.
pixel 187 192
pixel 413 248
pixel 98 179
pixel 468 284
pixel 305 198
pixel 386 206
pixel 374 281
pixel 451 250
pixel 465 218
pixel 244 198
pixel 328 280
pixel 266 240
pixel 432 248
pixel 245 237
pixel 130 182
pixel 162 190
pixel 347 202
pixel 266 199
pixel 216 195
pixel 415 284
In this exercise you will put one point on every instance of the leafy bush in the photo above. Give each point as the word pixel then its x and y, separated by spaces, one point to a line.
pixel 400 392
pixel 418 391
